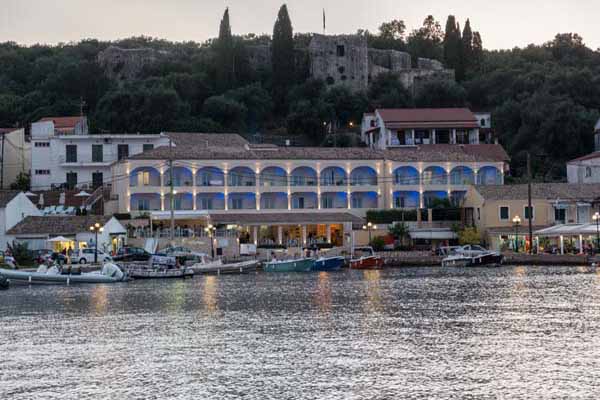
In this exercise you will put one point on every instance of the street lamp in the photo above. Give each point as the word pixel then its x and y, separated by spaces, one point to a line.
pixel 96 228
pixel 210 230
pixel 516 222
pixel 596 218
pixel 368 227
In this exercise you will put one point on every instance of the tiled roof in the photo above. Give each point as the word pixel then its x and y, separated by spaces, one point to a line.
pixel 543 191
pixel 449 152
pixel 207 139
pixel 397 118
pixel 425 153
pixel 56 225
pixel 591 156
pixel 63 122
pixel 6 196
pixel 286 218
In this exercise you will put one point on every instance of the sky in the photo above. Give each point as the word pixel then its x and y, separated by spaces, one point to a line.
pixel 503 24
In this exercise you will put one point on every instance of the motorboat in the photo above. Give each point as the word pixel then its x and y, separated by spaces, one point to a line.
pixel 473 256
pixel 328 263
pixel 158 267
pixel 295 265
pixel 110 273
pixel 365 258
pixel 217 267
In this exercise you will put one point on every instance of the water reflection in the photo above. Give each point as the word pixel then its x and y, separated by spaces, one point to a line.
pixel 99 300
pixel 323 293
pixel 373 295
pixel 209 294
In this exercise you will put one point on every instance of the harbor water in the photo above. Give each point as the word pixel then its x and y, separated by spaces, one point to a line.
pixel 415 333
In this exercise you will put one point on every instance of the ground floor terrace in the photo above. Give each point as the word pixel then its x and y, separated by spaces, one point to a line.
pixel 224 233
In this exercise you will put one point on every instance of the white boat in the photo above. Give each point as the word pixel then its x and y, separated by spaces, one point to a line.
pixel 110 273
pixel 472 256
pixel 217 267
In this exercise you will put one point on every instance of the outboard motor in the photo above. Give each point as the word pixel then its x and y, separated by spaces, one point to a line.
pixel 113 271
pixel 4 283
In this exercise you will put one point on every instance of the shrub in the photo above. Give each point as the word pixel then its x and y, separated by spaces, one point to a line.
pixel 378 243
pixel 469 236
pixel 21 253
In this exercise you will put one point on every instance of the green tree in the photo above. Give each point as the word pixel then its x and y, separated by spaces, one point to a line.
pixel 453 47
pixel 469 236
pixel 400 232
pixel 22 182
pixel 426 42
pixel 258 104
pixel 224 49
pixel 467 46
pixel 386 91
pixel 282 57
pixel 226 111
pixel 477 60
pixel 441 93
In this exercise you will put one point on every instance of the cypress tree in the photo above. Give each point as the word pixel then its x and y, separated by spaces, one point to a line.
pixel 467 46
pixel 453 47
pixel 477 51
pixel 224 46
pixel 282 56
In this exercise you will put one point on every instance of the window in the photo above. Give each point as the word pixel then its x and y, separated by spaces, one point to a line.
pixel 147 147
pixel 97 179
pixel 504 213
pixel 236 204
pixel 478 214
pixel 177 202
pixel 205 179
pixel 42 172
pixel 588 172
pixel 71 179
pixel 422 137
pixel 482 122
pixel 560 215
pixel 462 137
pixel 144 178
pixel 143 205
pixel 97 153
pixel 327 202
pixel 527 211
pixel 298 202
pixel 268 203
pixel 341 50
pixel 206 204
pixel 122 151
pixel 71 150
pixel 357 202
pixel 399 203
pixel 42 144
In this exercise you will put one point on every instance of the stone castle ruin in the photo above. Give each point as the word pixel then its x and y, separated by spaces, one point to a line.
pixel 347 60
pixel 336 59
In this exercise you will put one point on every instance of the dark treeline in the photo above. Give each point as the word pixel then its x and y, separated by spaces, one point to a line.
pixel 544 98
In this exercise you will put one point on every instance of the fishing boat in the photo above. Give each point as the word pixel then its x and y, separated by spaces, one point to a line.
pixel 217 267
pixel 473 256
pixel 328 263
pixel 110 273
pixel 297 265
pixel 365 258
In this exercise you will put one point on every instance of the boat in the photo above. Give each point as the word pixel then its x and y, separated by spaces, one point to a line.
pixel 217 267
pixel 328 263
pixel 365 258
pixel 296 265
pixel 4 283
pixel 473 256
pixel 158 267
pixel 110 273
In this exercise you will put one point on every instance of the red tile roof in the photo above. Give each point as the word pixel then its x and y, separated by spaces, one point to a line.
pixel 63 122
pixel 400 118
pixel 591 156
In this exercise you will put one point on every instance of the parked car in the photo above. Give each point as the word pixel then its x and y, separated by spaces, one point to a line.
pixel 83 256
pixel 132 254
pixel 180 251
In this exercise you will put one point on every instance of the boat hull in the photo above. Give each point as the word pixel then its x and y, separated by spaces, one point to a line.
pixel 235 268
pixel 160 274
pixel 36 277
pixel 484 260
pixel 328 264
pixel 303 265
pixel 373 262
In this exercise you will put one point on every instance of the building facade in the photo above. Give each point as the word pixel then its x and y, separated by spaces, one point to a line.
pixel 492 209
pixel 586 169
pixel 393 128
pixel 64 153
pixel 15 155
pixel 217 180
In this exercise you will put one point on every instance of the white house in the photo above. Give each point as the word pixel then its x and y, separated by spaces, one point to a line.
pixel 64 153
pixel 14 207
pixel 37 230
pixel 586 169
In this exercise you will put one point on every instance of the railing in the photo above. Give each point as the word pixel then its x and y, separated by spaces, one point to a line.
pixel 196 232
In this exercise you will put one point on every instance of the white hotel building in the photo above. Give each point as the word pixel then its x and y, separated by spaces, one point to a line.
pixel 64 153
pixel 228 179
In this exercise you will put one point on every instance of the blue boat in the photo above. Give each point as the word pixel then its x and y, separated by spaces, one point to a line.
pixel 328 263
pixel 299 265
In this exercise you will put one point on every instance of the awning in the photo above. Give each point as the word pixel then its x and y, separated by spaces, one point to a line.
pixel 567 230
pixel 433 234
pixel 286 218
pixel 59 239
pixel 179 214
